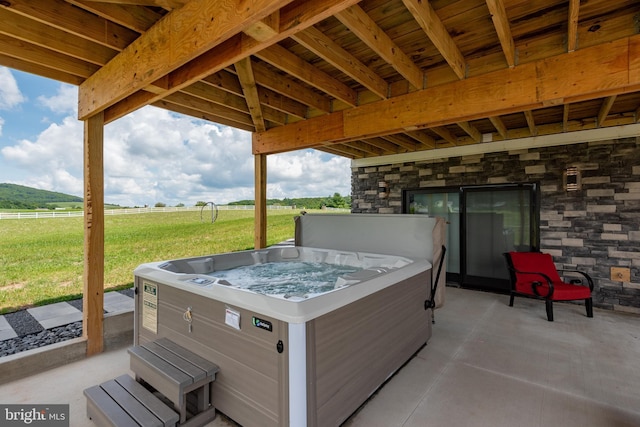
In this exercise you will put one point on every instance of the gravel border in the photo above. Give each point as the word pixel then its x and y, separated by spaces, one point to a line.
pixel 32 335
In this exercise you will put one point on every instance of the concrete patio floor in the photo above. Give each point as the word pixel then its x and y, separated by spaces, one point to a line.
pixel 487 364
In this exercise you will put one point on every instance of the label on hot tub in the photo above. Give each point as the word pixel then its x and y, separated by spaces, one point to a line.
pixel 150 306
pixel 262 324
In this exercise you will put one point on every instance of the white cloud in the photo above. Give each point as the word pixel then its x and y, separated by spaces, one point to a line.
pixel 10 95
pixel 64 102
pixel 153 156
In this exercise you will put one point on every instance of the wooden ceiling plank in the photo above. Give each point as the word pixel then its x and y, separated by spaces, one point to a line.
pixel 320 44
pixel 165 104
pixel 40 55
pixel 597 70
pixel 282 103
pixel 343 150
pixel 266 28
pixel 248 83
pixel 431 24
pixel 165 4
pixel 445 134
pixel 209 107
pixel 425 140
pixel 499 125
pixel 169 44
pixel 293 65
pixel 402 140
pixel 503 29
pixel 296 16
pixel 373 36
pixel 71 19
pixel 367 148
pixel 132 16
pixel 528 114
pixel 471 130
pixel 40 34
pixel 572 30
pixel 40 70
pixel 383 144
pixel 290 88
pixel 604 109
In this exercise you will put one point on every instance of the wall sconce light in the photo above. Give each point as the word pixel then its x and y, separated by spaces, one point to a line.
pixel 571 179
pixel 383 189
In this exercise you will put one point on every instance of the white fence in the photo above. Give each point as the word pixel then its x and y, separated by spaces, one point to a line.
pixel 127 211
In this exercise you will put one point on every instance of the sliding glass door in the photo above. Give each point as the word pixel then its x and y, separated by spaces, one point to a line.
pixel 483 223
pixel 496 220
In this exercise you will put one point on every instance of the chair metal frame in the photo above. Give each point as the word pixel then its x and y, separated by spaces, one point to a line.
pixel 545 280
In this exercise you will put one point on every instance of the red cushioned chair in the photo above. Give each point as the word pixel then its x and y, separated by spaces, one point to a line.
pixel 533 274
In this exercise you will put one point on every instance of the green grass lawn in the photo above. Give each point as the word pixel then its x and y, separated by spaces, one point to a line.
pixel 41 260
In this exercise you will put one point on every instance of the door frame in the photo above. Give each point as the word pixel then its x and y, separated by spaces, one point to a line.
pixel 462 278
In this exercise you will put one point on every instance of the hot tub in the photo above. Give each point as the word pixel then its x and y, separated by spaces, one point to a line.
pixel 291 356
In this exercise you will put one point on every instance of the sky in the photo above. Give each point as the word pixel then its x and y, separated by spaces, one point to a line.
pixel 151 155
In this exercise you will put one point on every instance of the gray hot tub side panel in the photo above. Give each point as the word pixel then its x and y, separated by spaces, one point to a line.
pixel 252 385
pixel 352 351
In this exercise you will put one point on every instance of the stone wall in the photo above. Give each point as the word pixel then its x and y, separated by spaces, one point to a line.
pixel 594 229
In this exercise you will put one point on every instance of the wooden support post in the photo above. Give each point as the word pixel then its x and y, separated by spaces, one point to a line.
pixel 261 201
pixel 93 302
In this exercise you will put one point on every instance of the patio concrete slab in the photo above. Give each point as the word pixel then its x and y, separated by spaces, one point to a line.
pixel 487 364
pixel 6 331
pixel 116 302
pixel 54 315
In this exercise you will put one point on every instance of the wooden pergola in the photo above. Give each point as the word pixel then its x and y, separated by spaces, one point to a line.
pixel 354 78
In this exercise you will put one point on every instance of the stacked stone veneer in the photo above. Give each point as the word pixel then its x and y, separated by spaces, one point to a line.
pixel 593 229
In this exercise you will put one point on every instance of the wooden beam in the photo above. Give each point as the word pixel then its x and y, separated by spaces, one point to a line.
pixel 528 114
pixel 471 130
pixel 260 173
pixel 572 30
pixel 64 16
pixel 606 69
pixel 209 116
pixel 266 28
pixel 437 32
pixel 503 29
pixel 298 15
pixel 290 88
pixel 499 125
pixel 293 65
pixel 368 31
pixel 248 83
pixel 93 277
pixel 604 109
pixel 169 44
pixel 445 134
pixel 402 141
pixel 317 42
pixel 426 141
pixel 565 117
pixel 135 17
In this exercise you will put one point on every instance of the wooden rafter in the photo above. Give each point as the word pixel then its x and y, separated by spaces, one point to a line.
pixel 436 31
pixel 248 83
pixel 368 31
pixel 565 117
pixel 471 130
pixel 317 42
pixel 531 123
pixel 572 30
pixel 501 23
pixel 291 64
pixel 605 108
pixel 445 134
pixel 499 125
pixel 525 87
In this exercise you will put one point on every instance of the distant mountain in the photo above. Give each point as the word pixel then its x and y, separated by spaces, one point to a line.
pixel 13 196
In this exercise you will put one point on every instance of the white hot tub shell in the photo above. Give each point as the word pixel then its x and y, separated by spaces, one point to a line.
pixel 303 360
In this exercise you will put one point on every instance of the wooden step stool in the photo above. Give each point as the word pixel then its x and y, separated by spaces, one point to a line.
pixel 168 368
pixel 175 371
pixel 125 402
